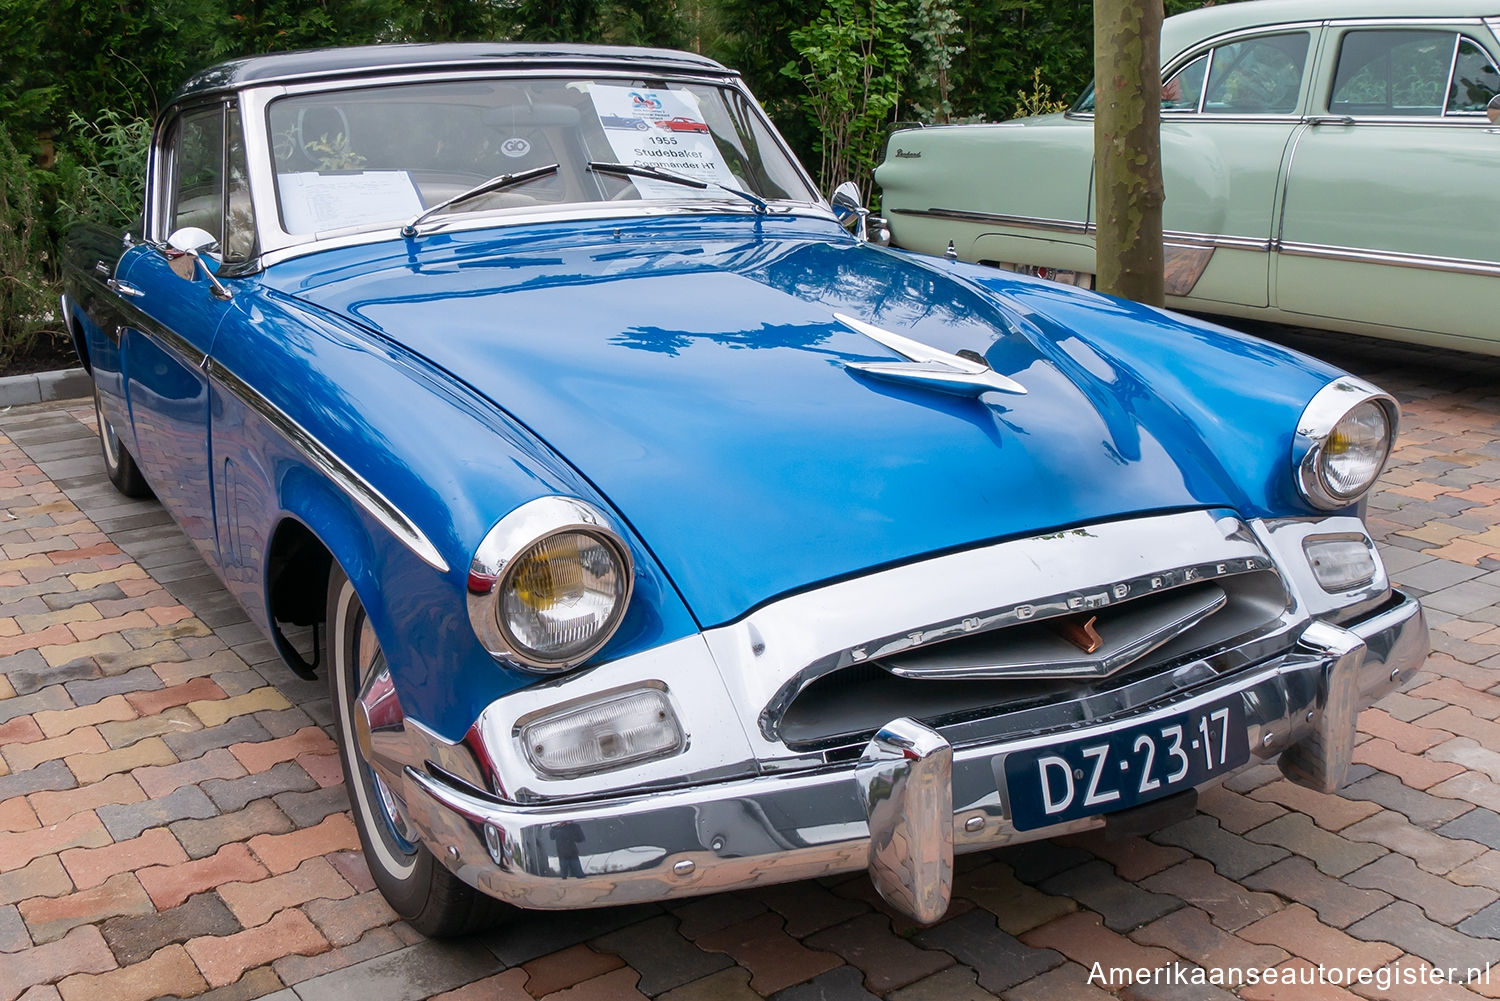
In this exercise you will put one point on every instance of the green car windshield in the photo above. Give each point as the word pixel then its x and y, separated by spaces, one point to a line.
pixel 383 155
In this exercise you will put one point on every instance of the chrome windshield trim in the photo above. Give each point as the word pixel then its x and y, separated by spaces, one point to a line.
pixel 602 211
pixel 1451 265
pixel 358 489
pixel 275 242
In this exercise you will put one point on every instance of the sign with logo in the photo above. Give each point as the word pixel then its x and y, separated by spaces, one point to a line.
pixel 663 129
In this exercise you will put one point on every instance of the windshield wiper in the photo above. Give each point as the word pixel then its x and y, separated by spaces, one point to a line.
pixel 662 175
pixel 493 184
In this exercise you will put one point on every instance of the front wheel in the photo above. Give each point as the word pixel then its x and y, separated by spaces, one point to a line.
pixel 418 887
pixel 119 464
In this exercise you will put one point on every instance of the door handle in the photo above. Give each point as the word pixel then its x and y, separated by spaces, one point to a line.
pixel 1330 120
pixel 115 285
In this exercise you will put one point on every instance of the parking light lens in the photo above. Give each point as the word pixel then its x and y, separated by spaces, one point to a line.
pixel 1339 564
pixel 603 736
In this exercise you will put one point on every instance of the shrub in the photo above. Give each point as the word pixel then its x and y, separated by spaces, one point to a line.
pixel 28 286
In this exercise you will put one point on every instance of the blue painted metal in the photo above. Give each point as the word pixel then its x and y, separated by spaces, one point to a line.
pixel 692 373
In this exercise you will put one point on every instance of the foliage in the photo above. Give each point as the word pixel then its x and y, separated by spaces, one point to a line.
pixel 26 289
pixel 937 34
pixel 853 57
pixel 1039 100
pixel 104 170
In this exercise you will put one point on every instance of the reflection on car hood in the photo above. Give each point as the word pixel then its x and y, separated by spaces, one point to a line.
pixel 699 382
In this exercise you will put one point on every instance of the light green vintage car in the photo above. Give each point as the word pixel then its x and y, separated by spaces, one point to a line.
pixel 1326 162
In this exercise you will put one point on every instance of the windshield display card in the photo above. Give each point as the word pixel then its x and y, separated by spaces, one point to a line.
pixel 650 127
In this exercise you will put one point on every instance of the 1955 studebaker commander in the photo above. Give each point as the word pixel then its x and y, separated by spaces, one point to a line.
pixel 1326 162
pixel 659 535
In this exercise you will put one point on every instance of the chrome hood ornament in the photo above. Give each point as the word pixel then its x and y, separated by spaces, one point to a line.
pixel 929 367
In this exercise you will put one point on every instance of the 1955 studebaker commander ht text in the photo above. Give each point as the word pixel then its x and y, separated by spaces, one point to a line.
pixel 660 535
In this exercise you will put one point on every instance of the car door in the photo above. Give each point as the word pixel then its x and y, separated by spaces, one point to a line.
pixel 1391 213
pixel 1229 111
pixel 175 313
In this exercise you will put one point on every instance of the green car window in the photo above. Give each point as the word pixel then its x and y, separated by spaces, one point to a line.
pixel 1257 76
pixel 1183 91
pixel 1385 72
pixel 1475 80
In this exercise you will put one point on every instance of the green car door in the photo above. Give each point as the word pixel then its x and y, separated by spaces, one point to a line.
pixel 1228 115
pixel 1391 212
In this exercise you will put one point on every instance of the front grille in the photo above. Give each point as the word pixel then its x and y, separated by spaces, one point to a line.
pixel 1024 677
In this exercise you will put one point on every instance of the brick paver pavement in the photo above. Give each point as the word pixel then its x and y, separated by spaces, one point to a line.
pixel 172 821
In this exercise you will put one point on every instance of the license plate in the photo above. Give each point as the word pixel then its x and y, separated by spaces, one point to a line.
pixel 1133 765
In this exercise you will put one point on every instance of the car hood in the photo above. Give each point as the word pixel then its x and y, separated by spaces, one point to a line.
pixel 699 381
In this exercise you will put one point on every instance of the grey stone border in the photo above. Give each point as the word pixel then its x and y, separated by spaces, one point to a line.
pixel 43 387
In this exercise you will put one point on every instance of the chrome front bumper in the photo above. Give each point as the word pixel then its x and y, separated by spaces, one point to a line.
pixel 902 811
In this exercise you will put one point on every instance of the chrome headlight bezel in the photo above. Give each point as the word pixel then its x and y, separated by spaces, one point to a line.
pixel 1323 414
pixel 498 554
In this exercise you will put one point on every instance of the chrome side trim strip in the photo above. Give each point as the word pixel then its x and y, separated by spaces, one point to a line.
pixel 1451 265
pixel 1086 228
pixel 359 490
pixel 1017 221
pixel 1456 265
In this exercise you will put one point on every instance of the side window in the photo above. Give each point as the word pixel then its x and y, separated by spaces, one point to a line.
pixel 197 191
pixel 1257 76
pixel 1184 89
pixel 1475 80
pixel 239 218
pixel 1392 72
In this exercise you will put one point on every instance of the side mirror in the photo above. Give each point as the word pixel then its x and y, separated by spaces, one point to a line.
pixel 1493 109
pixel 849 210
pixel 196 243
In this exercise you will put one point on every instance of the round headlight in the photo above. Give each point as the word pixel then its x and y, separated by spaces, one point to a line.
pixel 549 584
pixel 1355 451
pixel 560 599
pixel 1346 435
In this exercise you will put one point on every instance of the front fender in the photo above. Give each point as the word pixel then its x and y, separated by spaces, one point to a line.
pixel 297 391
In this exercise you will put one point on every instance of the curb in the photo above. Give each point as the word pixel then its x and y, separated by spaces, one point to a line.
pixel 44 387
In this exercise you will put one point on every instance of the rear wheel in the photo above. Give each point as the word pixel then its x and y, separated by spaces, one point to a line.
pixel 119 464
pixel 418 887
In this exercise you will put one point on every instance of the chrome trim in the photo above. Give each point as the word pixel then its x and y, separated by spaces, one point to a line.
pixel 905 780
pixel 1184 237
pixel 1018 221
pixel 1324 411
pixel 928 366
pixel 774 828
pixel 1450 265
pixel 123 288
pixel 1055 657
pixel 1284 538
pixel 350 482
pixel 184 350
pixel 276 245
pixel 1458 39
pixel 768 657
pixel 512 536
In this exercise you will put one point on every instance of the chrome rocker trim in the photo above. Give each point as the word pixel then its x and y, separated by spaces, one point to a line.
pixel 781 827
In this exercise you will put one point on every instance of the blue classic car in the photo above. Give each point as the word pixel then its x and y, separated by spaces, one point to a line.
pixel 659 535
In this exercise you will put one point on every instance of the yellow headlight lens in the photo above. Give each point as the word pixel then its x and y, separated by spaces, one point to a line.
pixel 561 595
pixel 1355 450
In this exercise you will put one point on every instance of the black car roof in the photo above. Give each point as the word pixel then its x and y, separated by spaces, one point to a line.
pixel 364 60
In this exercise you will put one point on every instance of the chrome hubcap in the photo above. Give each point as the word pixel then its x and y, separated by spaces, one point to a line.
pixel 373 686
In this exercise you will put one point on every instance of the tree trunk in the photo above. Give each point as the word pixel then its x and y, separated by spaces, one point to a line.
pixel 1127 148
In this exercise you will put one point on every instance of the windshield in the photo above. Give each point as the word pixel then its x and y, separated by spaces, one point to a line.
pixel 384 155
